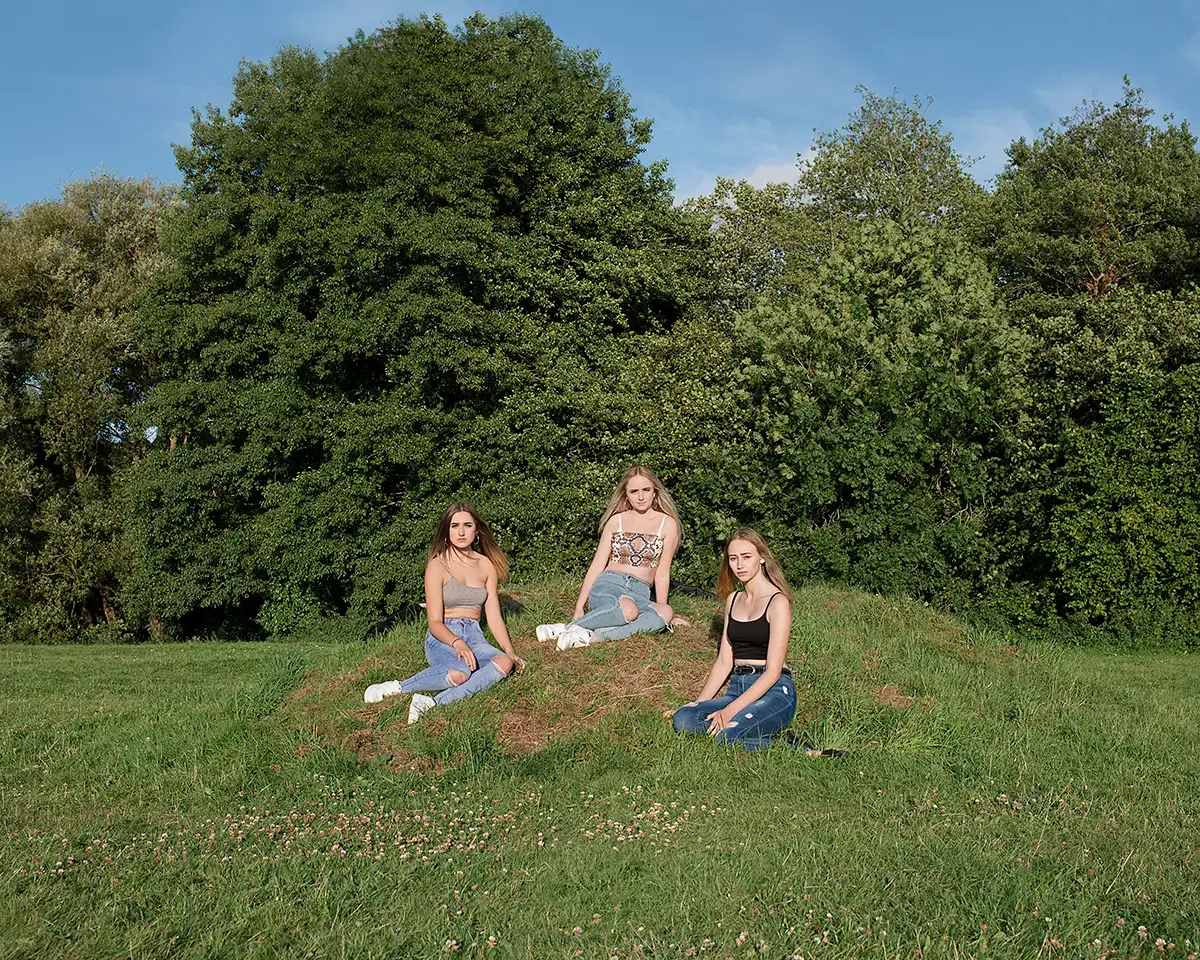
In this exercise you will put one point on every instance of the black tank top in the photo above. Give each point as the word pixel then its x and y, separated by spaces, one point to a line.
pixel 750 638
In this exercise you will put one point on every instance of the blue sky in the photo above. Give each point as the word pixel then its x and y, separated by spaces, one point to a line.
pixel 735 89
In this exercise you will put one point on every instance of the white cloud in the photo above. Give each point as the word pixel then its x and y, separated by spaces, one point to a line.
pixel 1064 94
pixel 986 135
pixel 766 173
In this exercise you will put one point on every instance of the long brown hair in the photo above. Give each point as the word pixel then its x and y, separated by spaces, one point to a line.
pixel 727 583
pixel 484 542
pixel 662 502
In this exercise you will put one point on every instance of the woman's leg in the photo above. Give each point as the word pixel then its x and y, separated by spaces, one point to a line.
pixel 491 666
pixel 649 621
pixel 442 660
pixel 756 726
pixel 604 603
pixel 694 719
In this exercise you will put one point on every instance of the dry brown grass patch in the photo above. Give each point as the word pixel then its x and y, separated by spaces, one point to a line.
pixel 559 695
pixel 891 695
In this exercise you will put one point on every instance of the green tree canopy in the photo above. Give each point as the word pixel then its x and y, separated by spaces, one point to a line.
pixel 1106 199
pixel 70 372
pixel 413 269
pixel 877 401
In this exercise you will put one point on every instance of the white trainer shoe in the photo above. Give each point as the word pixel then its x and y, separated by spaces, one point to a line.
pixel 377 691
pixel 420 704
pixel 574 637
pixel 550 631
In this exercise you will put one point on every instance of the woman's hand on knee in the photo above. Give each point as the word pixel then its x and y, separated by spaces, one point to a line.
pixel 465 654
pixel 719 720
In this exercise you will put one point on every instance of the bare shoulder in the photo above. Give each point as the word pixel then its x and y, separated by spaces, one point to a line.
pixel 435 566
pixel 780 606
pixel 485 565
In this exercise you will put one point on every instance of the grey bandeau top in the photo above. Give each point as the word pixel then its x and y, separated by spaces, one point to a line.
pixel 455 593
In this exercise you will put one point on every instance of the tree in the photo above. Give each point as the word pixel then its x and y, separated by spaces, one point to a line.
pixel 889 162
pixel 70 372
pixel 1092 236
pixel 878 401
pixel 1105 200
pixel 412 270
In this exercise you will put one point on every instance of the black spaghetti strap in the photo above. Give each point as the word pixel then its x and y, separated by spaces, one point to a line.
pixel 768 606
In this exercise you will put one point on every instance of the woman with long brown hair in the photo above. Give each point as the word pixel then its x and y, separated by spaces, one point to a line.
pixel 639 533
pixel 760 701
pixel 462 580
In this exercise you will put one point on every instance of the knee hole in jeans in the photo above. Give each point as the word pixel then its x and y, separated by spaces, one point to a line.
pixel 503 663
pixel 628 605
pixel 456 678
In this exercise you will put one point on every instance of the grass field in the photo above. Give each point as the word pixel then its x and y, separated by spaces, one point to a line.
pixel 240 800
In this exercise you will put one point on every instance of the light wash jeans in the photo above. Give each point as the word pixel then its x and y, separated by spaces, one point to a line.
pixel 755 726
pixel 442 659
pixel 606 619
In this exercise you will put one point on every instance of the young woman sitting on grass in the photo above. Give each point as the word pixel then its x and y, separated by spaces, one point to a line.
pixel 465 568
pixel 761 699
pixel 638 536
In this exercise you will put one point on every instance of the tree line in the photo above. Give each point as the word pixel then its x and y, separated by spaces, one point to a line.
pixel 434 264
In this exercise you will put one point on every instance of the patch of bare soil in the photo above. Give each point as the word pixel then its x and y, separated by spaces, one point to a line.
pixel 892 696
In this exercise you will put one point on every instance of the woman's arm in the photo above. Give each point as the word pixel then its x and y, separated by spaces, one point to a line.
pixel 779 616
pixel 599 562
pixel 434 612
pixel 495 617
pixel 662 573
pixel 722 665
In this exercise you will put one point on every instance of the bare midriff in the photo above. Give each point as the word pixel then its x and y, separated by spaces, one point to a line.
pixel 461 613
pixel 638 573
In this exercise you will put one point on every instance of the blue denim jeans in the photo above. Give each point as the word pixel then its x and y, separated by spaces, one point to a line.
pixel 606 619
pixel 442 659
pixel 755 726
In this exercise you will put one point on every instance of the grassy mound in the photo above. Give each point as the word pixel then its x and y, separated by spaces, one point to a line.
pixel 870 673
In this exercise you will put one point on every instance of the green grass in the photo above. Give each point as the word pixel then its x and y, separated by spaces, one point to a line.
pixel 998 801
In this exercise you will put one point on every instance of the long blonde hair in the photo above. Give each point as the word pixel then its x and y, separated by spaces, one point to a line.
pixel 484 542
pixel 662 502
pixel 727 583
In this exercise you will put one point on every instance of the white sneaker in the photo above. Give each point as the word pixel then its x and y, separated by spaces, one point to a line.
pixel 574 637
pixel 377 691
pixel 420 704
pixel 550 631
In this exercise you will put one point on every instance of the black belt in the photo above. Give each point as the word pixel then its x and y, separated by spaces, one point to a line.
pixel 756 668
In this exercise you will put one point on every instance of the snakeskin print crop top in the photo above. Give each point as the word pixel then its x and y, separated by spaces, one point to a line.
pixel 636 549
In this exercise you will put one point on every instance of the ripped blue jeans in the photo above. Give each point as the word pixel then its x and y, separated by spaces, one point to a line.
pixel 442 659
pixel 756 726
pixel 606 619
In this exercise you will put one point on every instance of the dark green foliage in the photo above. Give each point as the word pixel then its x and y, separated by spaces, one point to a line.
pixel 876 403
pixel 1100 512
pixel 1094 236
pixel 413 270
pixel 1106 200
pixel 70 372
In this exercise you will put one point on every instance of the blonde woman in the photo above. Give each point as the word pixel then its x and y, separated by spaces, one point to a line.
pixel 462 580
pixel 760 701
pixel 639 533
